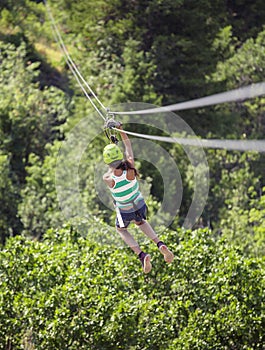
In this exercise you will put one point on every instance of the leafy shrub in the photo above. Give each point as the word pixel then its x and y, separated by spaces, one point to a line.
pixel 70 292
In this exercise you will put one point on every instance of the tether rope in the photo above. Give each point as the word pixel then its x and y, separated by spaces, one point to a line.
pixel 72 65
pixel 232 145
pixel 250 91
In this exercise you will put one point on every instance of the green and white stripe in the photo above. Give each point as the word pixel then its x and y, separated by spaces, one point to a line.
pixel 125 191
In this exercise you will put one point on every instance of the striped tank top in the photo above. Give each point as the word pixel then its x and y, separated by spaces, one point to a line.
pixel 125 192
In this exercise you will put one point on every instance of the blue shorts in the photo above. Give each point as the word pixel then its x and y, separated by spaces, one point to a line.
pixel 129 215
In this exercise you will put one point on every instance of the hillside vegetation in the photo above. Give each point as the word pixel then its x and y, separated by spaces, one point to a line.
pixel 71 292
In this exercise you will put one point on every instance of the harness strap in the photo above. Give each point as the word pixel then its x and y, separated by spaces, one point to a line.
pixel 119 217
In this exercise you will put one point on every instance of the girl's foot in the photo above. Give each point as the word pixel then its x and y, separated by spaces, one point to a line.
pixel 168 255
pixel 146 262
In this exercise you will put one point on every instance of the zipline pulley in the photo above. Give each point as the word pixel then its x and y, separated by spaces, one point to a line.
pixel 108 128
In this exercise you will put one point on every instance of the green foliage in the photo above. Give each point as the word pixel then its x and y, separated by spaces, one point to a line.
pixel 247 17
pixel 11 10
pixel 169 34
pixel 10 225
pixel 138 76
pixel 244 225
pixel 39 208
pixel 229 183
pixel 223 41
pixel 245 65
pixel 70 292
pixel 29 117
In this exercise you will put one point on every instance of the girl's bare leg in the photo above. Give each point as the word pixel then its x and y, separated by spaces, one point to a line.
pixel 148 230
pixel 130 241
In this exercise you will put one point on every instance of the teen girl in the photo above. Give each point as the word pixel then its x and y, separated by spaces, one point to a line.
pixel 121 178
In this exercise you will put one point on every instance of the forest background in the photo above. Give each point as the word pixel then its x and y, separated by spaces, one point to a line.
pixel 74 286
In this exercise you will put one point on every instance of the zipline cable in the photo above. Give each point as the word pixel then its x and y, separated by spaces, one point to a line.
pixel 232 145
pixel 247 92
pixel 243 93
pixel 72 65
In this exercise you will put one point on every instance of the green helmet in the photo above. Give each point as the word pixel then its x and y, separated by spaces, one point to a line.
pixel 111 153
